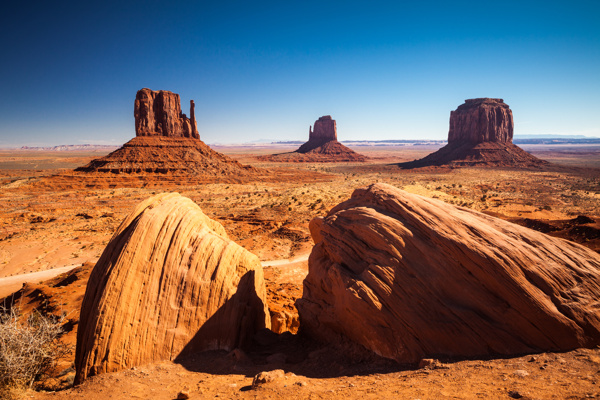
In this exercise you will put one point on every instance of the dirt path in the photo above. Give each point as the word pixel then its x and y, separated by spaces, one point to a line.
pixel 11 284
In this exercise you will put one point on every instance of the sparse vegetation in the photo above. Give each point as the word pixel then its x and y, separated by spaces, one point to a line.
pixel 29 348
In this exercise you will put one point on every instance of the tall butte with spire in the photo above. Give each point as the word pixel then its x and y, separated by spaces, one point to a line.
pixel 158 113
pixel 480 134
pixel 167 142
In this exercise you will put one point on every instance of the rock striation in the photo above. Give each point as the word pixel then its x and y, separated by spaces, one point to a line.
pixel 480 134
pixel 159 155
pixel 169 283
pixel 158 113
pixel 322 146
pixel 481 120
pixel 409 277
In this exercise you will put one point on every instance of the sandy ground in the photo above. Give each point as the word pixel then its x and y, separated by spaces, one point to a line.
pixel 47 226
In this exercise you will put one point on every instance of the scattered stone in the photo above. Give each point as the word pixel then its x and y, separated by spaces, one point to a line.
pixel 521 373
pixel 301 383
pixel 267 376
pixel 183 395
pixel 430 363
pixel 513 394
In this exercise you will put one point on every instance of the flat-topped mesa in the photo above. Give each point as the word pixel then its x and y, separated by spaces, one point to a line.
pixel 481 120
pixel 158 113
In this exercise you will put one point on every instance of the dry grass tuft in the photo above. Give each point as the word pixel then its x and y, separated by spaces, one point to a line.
pixel 29 348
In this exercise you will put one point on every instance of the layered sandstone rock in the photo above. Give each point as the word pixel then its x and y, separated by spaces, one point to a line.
pixel 169 283
pixel 480 134
pixel 322 146
pixel 167 142
pixel 170 156
pixel 481 120
pixel 158 113
pixel 409 277
pixel 325 131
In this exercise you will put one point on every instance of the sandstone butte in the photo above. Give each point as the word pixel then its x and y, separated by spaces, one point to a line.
pixel 409 277
pixel 158 113
pixel 167 142
pixel 322 146
pixel 480 134
pixel 169 283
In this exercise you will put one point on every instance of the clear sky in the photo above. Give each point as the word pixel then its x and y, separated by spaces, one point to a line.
pixel 267 70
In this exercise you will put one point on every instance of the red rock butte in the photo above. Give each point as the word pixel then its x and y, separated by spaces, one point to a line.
pixel 481 120
pixel 480 134
pixel 322 146
pixel 158 113
pixel 167 142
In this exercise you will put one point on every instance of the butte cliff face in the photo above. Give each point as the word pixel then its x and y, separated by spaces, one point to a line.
pixel 322 146
pixel 169 283
pixel 167 143
pixel 480 134
pixel 409 277
pixel 481 120
pixel 158 113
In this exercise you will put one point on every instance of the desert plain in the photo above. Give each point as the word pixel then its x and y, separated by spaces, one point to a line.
pixel 54 225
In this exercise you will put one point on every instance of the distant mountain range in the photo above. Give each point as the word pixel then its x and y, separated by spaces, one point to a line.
pixel 74 147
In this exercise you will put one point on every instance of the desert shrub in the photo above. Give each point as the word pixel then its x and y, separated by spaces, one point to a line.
pixel 29 347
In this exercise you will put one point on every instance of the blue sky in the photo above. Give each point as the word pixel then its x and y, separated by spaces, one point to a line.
pixel 268 70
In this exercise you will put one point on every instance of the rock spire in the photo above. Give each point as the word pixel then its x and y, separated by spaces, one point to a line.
pixel 158 113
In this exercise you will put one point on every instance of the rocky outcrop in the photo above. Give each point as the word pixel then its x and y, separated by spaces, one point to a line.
pixel 158 113
pixel 325 131
pixel 480 134
pixel 167 143
pixel 159 155
pixel 169 283
pixel 322 146
pixel 481 120
pixel 410 277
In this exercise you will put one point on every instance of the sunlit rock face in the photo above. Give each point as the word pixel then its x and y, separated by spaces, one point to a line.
pixel 410 277
pixel 158 113
pixel 481 120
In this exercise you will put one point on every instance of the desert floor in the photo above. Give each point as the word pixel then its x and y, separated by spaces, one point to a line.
pixel 49 222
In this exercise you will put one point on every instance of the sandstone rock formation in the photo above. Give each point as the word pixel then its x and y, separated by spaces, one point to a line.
pixel 167 142
pixel 480 134
pixel 481 120
pixel 158 113
pixel 170 156
pixel 410 277
pixel 322 146
pixel 169 283
pixel 325 131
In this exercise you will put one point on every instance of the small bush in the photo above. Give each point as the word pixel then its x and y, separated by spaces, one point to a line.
pixel 29 348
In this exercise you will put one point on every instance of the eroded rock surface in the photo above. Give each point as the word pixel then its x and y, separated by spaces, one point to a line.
pixel 322 146
pixel 158 113
pixel 409 277
pixel 480 134
pixel 481 120
pixel 169 283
